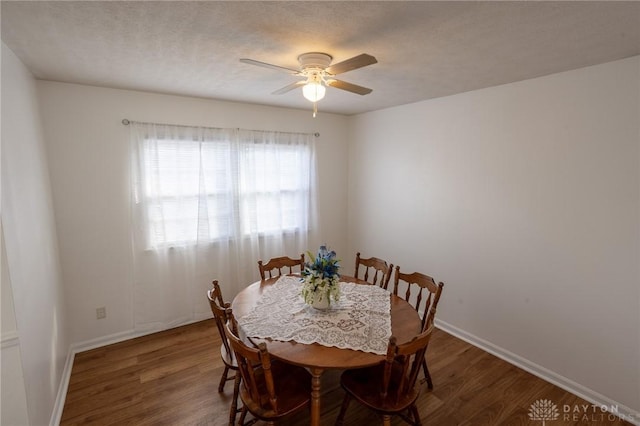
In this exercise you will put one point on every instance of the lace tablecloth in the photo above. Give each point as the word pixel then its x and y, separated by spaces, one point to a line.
pixel 360 320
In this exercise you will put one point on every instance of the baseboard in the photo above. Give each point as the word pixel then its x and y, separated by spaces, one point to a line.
pixel 87 345
pixel 99 342
pixel 58 405
pixel 127 335
pixel 624 412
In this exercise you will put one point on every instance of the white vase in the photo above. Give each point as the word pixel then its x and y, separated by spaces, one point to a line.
pixel 321 303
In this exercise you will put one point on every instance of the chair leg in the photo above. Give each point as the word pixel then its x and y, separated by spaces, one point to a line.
pixel 234 401
pixel 243 414
pixel 223 379
pixel 416 415
pixel 427 376
pixel 386 420
pixel 343 409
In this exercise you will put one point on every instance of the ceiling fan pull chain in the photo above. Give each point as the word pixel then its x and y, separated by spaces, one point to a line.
pixel 315 109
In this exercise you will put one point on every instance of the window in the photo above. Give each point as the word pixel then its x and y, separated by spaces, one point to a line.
pixel 203 185
pixel 273 186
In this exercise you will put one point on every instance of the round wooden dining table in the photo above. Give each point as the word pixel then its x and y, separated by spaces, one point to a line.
pixel 405 324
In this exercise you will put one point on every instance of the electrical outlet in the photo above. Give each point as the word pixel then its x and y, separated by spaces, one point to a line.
pixel 101 313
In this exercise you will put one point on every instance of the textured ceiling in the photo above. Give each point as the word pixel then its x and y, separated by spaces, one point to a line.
pixel 424 49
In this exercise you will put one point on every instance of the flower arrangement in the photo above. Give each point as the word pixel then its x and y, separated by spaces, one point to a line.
pixel 321 278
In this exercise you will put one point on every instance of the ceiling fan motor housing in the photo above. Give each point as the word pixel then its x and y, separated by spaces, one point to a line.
pixel 314 60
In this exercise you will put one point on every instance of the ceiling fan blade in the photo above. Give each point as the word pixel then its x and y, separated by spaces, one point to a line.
pixel 289 87
pixel 266 65
pixel 349 87
pixel 351 64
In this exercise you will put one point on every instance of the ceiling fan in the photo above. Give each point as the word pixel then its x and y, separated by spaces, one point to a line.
pixel 317 71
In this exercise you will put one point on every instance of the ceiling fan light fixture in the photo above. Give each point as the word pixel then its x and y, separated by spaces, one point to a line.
pixel 313 91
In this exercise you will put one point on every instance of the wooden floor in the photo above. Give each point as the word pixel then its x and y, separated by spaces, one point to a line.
pixel 171 378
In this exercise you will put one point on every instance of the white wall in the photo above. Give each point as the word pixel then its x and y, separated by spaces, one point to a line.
pixel 13 398
pixel 88 158
pixel 525 200
pixel 31 254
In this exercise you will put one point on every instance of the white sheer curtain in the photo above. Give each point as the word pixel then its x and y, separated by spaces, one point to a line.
pixel 207 204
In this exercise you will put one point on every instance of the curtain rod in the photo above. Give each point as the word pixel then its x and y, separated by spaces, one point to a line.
pixel 126 122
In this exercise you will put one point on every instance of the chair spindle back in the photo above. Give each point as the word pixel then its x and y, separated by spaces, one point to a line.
pixel 219 309
pixel 267 270
pixel 381 270
pixel 419 287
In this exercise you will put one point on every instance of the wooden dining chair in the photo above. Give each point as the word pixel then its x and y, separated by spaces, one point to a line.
pixel 389 388
pixel 422 292
pixel 270 389
pixel 280 263
pixel 219 310
pixel 380 269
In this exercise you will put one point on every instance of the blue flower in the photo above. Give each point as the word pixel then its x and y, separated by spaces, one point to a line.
pixel 324 265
